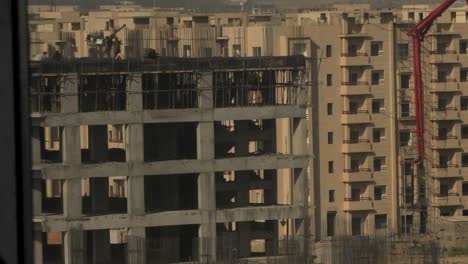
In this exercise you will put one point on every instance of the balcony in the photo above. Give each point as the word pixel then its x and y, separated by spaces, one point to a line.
pixel 222 38
pixel 356 146
pixel 407 117
pixel 355 117
pixel 451 85
pixel 448 142
pixel 452 170
pixel 361 204
pixel 356 59
pixel 463 85
pixel 355 88
pixel 355 34
pixel 450 113
pixel 463 170
pixel 447 57
pixel 358 175
pixel 452 199
pixel 383 172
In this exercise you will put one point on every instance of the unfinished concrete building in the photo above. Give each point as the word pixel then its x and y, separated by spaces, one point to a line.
pixel 362 104
pixel 175 160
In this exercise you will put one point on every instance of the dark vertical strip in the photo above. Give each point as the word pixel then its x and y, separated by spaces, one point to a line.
pixel 15 190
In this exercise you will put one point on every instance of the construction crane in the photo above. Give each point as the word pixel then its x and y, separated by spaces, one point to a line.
pixel 100 46
pixel 417 34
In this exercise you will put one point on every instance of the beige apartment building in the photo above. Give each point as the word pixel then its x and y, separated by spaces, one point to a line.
pixel 360 112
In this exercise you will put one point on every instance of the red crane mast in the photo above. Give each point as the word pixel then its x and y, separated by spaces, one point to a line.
pixel 417 34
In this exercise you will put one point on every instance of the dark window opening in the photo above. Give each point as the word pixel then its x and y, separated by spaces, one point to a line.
pixel 331 196
pixel 330 167
pixel 329 51
pixel 329 80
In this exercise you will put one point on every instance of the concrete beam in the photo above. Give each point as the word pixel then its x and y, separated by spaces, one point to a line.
pixel 167 116
pixel 270 162
pixel 274 212
pixel 173 218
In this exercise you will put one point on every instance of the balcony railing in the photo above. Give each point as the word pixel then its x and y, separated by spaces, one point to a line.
pixel 356 54
pixel 444 81
pixel 355 141
pixel 442 52
pixel 444 137
pixel 450 194
pixel 355 112
pixel 450 165
pixel 448 108
pixel 354 83
pixel 357 199
pixel 357 170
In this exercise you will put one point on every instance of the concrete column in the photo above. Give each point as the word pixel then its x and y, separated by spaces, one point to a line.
pixel 205 87
pixel 69 90
pixel 71 149
pixel 135 143
pixel 74 246
pixel 207 195
pixel 136 245
pixel 37 196
pixel 98 147
pixel 136 183
pixel 101 246
pixel 300 182
pixel 136 195
pixel 35 146
pixel 36 160
pixel 71 155
pixel 72 199
pixel 134 92
pixel 37 247
pixel 206 181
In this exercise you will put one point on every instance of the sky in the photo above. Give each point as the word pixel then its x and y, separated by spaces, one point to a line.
pixel 217 3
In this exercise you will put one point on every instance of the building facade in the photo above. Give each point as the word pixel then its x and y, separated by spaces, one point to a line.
pixel 187 160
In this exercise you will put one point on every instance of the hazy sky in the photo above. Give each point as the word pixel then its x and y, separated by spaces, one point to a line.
pixel 214 3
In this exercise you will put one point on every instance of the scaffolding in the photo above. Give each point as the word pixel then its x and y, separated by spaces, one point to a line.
pixel 169 83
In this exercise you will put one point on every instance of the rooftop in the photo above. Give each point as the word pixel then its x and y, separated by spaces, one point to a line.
pixel 161 64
